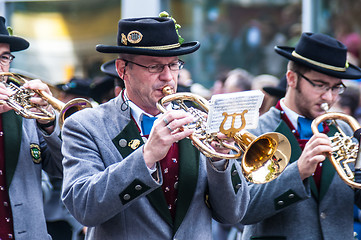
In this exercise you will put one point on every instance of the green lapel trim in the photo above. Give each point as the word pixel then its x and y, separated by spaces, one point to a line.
pixel 158 201
pixel 188 176
pixel 296 150
pixel 12 126
pixel 328 170
pixel 128 140
pixel 285 130
pixel 313 187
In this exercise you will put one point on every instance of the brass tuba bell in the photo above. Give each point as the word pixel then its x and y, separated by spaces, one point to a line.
pixel 345 152
pixel 264 158
pixel 20 100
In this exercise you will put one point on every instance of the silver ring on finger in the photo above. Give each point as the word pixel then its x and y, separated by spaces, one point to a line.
pixel 171 130
pixel 165 121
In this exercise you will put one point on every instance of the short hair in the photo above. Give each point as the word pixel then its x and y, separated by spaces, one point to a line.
pixel 298 67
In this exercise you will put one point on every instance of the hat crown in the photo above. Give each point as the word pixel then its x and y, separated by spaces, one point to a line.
pixel 147 32
pixel 323 49
pixel 3 29
pixel 76 86
pixel 152 36
pixel 16 43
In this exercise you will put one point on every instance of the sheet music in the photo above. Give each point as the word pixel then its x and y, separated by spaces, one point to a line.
pixel 232 103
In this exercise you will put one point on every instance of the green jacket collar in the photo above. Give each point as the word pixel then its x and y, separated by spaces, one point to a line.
pixel 12 127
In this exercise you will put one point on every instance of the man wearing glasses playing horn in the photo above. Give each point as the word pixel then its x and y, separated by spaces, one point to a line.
pixel 122 188
pixel 26 147
pixel 308 200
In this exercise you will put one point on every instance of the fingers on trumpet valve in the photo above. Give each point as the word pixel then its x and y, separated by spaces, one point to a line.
pixel 176 120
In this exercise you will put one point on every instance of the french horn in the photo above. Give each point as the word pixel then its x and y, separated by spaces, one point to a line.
pixel 20 100
pixel 345 152
pixel 264 157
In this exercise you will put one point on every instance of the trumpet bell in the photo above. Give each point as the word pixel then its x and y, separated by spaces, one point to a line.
pixel 266 157
pixel 71 107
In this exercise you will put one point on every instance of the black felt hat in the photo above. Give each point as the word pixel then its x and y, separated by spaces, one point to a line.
pixel 16 43
pixel 321 53
pixel 279 90
pixel 102 88
pixel 109 68
pixel 152 36
pixel 76 86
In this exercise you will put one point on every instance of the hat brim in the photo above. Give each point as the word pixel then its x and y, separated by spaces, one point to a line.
pixel 109 68
pixel 352 72
pixel 275 91
pixel 185 48
pixel 16 43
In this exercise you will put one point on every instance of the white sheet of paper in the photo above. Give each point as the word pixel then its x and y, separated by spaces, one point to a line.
pixel 232 103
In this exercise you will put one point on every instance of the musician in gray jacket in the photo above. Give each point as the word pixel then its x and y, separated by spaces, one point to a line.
pixel 26 147
pixel 125 182
pixel 308 200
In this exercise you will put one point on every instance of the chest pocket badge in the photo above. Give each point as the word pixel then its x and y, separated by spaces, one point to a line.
pixel 35 153
pixel 134 144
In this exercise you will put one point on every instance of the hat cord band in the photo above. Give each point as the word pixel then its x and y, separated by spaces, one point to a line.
pixel 165 47
pixel 339 69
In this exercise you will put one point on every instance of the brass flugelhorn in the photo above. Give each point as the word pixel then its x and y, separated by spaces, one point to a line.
pixel 20 100
pixel 345 152
pixel 264 158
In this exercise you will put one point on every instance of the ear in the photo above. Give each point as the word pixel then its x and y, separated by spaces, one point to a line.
pixel 292 78
pixel 120 66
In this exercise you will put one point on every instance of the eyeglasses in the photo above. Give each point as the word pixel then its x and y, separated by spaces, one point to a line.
pixel 6 59
pixel 323 88
pixel 158 68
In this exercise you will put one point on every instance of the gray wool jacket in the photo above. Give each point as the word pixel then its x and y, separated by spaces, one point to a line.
pixel 28 150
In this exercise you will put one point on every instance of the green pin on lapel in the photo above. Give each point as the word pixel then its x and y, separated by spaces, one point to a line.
pixel 35 153
pixel 177 26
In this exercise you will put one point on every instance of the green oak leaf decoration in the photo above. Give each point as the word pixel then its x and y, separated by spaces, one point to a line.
pixel 177 26
pixel 10 31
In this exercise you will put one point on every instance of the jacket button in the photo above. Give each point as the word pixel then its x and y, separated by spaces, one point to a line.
pixel 234 173
pixel 122 142
pixel 126 197
pixel 291 195
pixel 280 203
pixel 323 215
pixel 238 186
pixel 138 187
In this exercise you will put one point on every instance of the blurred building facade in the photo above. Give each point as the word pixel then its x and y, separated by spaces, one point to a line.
pixel 233 33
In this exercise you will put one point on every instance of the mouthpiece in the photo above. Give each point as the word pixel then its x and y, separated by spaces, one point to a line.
pixel 325 107
pixel 167 90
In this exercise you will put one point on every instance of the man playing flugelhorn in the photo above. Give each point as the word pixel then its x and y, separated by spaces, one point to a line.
pixel 308 200
pixel 123 188
pixel 26 147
